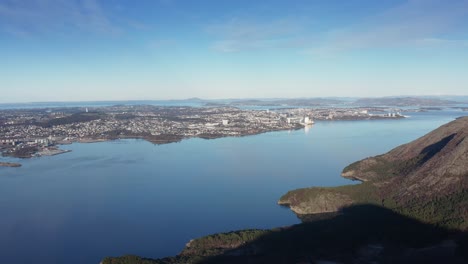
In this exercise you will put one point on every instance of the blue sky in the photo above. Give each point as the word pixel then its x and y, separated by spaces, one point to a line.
pixel 73 50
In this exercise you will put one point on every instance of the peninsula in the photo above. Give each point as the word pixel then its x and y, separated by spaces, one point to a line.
pixel 26 133
pixel 426 179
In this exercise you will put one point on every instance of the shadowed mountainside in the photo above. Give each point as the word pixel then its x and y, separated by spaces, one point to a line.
pixel 426 179
pixel 359 234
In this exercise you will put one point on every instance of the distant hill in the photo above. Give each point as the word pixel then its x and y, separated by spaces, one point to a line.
pixel 74 118
pixel 426 179
pixel 403 101
pixel 289 102
pixel 400 101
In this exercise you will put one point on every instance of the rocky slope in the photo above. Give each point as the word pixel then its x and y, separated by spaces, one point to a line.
pixel 426 178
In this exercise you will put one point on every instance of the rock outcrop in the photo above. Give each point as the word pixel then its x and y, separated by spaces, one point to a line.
pixel 9 164
pixel 314 201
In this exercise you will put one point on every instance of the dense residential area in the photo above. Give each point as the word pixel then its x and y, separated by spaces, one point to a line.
pixel 30 132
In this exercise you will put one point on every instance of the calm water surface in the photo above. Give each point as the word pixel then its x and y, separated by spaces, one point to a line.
pixel 132 197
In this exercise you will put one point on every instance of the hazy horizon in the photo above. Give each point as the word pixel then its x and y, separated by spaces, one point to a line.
pixel 442 97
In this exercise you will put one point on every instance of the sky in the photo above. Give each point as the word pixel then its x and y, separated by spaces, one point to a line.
pixel 87 50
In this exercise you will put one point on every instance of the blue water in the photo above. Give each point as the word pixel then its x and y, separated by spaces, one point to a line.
pixel 133 197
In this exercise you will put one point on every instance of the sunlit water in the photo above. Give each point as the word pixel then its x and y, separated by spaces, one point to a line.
pixel 133 197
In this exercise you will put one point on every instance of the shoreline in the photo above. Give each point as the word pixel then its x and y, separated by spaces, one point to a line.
pixel 50 147
pixel 52 152
pixel 168 138
pixel 165 139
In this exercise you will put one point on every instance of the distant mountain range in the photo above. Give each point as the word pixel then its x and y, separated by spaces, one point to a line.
pixel 290 102
pixel 330 101
pixel 395 101
pixel 403 101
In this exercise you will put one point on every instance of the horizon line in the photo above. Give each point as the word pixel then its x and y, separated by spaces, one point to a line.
pixel 218 99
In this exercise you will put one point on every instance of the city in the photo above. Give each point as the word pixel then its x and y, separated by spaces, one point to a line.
pixel 36 132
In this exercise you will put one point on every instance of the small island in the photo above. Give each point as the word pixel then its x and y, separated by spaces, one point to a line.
pixel 9 164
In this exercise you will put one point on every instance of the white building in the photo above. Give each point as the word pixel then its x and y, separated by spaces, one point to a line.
pixel 308 121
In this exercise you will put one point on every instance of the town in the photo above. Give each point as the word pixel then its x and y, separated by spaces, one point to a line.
pixel 37 132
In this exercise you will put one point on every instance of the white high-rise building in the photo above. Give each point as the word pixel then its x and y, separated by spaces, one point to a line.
pixel 308 121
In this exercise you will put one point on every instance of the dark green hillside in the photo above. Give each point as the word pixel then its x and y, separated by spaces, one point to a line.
pixel 359 234
pixel 426 179
pixel 74 118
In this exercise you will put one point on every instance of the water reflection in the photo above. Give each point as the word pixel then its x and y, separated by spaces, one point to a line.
pixel 307 129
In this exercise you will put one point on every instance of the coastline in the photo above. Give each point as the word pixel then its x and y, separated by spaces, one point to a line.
pixel 52 151
pixel 157 140
pixel 167 138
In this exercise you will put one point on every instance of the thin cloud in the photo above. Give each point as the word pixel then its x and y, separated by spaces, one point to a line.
pixel 138 25
pixel 437 42
pixel 414 23
pixel 44 16
pixel 243 34
pixel 162 43
pixel 166 2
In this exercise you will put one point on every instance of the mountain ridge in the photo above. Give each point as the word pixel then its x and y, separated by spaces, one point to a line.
pixel 427 172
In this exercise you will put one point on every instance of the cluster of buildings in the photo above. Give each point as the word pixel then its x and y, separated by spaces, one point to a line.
pixel 40 128
pixel 19 131
pixel 9 142
pixel 342 113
